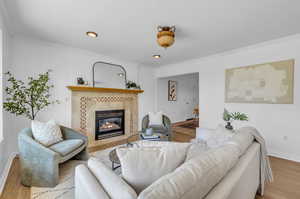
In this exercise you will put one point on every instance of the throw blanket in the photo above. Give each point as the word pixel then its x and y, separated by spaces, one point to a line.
pixel 265 168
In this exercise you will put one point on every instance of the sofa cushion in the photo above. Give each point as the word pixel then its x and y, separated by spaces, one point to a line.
pixel 196 177
pixel 242 140
pixel 196 149
pixel 113 184
pixel 46 133
pixel 141 166
pixel 67 146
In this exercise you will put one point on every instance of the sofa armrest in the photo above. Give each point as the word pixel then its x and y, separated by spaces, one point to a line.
pixel 69 133
pixel 86 185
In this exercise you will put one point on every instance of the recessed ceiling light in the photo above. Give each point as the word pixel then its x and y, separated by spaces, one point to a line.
pixel 120 74
pixel 156 56
pixel 92 34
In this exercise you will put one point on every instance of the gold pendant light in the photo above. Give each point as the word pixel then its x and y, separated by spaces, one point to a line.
pixel 165 36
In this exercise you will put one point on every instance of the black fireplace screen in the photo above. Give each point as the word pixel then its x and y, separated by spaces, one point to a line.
pixel 109 124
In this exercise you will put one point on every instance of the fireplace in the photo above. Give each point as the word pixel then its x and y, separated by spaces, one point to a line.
pixel 109 124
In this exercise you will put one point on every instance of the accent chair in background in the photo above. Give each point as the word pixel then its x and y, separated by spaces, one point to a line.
pixel 164 128
pixel 39 164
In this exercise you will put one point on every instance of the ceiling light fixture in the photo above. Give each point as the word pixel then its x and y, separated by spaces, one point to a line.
pixel 156 56
pixel 92 34
pixel 120 74
pixel 166 36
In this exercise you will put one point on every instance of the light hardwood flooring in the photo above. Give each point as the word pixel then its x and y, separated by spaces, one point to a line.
pixel 183 134
pixel 285 186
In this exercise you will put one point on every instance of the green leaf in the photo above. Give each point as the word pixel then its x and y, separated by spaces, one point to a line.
pixel 226 115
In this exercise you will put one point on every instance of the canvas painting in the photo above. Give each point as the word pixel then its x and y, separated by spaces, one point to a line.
pixel 172 90
pixel 270 83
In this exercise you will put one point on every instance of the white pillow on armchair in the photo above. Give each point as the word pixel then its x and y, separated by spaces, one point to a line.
pixel 155 119
pixel 46 133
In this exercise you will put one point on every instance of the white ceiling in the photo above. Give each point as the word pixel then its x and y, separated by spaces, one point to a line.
pixel 127 28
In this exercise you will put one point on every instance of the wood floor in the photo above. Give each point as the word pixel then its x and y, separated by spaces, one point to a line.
pixel 286 183
pixel 13 188
pixel 285 186
pixel 184 131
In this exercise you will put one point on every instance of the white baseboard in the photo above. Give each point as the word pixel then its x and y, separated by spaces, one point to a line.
pixel 5 172
pixel 285 156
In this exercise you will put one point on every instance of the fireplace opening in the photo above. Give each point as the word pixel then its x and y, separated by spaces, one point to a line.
pixel 109 124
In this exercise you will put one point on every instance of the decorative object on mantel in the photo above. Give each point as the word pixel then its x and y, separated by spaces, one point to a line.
pixel 166 36
pixel 80 81
pixel 268 83
pixel 230 117
pixel 132 85
pixel 30 99
pixel 123 74
pixel 196 112
pixel 172 90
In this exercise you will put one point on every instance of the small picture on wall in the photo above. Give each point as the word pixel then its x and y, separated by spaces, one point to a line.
pixel 172 90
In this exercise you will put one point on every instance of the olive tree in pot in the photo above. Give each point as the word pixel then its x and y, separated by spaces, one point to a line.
pixel 30 98
pixel 230 117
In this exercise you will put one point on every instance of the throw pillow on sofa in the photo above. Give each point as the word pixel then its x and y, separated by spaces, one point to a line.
pixel 46 133
pixel 141 166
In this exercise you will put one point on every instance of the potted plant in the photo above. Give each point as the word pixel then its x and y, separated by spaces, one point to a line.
pixel 132 85
pixel 230 117
pixel 28 99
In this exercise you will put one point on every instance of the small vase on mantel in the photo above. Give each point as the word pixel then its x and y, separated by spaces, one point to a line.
pixel 229 126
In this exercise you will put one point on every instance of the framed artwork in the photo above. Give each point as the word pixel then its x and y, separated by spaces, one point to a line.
pixel 172 90
pixel 268 83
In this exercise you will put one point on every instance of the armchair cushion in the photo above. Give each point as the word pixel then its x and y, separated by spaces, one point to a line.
pixel 67 146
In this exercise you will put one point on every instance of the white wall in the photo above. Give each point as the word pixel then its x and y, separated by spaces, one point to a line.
pixel 278 123
pixel 4 129
pixel 31 57
pixel 187 97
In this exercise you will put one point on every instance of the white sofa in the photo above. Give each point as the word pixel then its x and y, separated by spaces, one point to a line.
pixel 240 180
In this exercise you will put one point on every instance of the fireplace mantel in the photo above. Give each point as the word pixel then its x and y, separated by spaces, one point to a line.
pixel 105 90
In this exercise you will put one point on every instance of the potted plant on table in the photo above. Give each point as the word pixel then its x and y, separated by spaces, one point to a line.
pixel 28 99
pixel 230 117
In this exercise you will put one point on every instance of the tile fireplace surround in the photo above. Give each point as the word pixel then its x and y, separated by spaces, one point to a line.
pixel 87 100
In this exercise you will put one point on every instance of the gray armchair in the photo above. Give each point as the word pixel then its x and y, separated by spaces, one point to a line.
pixel 39 164
pixel 164 129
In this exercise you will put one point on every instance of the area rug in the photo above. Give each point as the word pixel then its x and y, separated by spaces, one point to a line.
pixel 65 188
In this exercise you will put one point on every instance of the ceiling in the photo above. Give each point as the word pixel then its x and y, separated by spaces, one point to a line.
pixel 127 28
